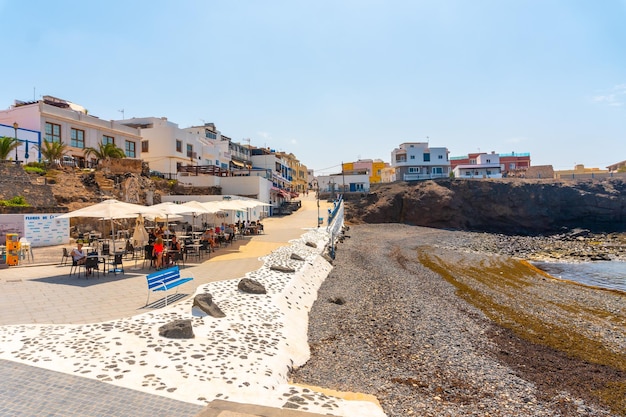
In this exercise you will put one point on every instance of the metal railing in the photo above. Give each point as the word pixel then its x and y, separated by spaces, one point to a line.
pixel 335 224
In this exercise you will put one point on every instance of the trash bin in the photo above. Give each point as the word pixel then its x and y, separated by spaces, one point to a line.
pixel 13 249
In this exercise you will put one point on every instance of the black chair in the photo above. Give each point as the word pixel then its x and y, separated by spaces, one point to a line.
pixel 117 261
pixel 66 256
pixel 91 264
pixel 75 267
pixel 147 256
pixel 177 257
pixel 106 249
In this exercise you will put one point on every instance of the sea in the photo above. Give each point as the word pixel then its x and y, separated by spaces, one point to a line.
pixel 605 274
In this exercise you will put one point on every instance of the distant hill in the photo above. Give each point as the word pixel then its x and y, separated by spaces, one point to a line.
pixel 508 206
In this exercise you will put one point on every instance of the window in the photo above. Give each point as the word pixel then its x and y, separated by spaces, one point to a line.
pixel 144 146
pixel 130 149
pixel 467 173
pixel 107 139
pixel 437 170
pixel 488 172
pixel 426 157
pixel 179 146
pixel 189 150
pixel 412 157
pixel 488 161
pixel 414 170
pixel 440 157
pixel 53 132
pixel 77 138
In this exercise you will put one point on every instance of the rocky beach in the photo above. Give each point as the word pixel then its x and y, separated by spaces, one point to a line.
pixel 448 323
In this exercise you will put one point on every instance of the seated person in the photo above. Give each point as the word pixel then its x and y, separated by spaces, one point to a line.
pixel 229 229
pixel 208 237
pixel 173 248
pixel 78 255
pixel 157 252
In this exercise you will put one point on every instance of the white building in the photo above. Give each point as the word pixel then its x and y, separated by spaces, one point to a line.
pixel 417 161
pixel 336 183
pixel 59 120
pixel 487 165
pixel 166 147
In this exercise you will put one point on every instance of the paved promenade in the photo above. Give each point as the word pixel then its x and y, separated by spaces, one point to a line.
pixel 48 295
pixel 42 292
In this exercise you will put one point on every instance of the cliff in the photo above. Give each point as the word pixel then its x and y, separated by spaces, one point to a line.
pixel 508 206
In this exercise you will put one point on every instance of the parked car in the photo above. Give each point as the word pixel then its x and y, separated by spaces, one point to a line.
pixel 67 161
pixel 153 173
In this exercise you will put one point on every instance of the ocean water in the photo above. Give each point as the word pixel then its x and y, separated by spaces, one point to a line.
pixel 609 274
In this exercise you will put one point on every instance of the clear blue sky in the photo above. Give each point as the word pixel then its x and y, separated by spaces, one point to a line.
pixel 335 81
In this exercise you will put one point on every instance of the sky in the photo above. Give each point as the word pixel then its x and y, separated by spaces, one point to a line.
pixel 335 81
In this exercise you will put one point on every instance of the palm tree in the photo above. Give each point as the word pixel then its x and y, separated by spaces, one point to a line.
pixel 7 145
pixel 52 152
pixel 105 151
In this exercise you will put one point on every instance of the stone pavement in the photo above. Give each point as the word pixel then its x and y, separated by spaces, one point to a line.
pixel 43 293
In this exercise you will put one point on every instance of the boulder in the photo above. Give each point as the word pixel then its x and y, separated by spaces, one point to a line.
pixel 281 268
pixel 296 257
pixel 205 303
pixel 251 286
pixel 177 329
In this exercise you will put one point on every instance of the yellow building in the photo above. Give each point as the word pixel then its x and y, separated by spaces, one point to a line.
pixel 373 168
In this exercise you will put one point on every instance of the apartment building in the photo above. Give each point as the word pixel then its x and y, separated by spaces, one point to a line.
pixel 419 161
pixel 60 120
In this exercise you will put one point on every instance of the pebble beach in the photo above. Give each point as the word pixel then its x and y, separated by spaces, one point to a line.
pixel 432 325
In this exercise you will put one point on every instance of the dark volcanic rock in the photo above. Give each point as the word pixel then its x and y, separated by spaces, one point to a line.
pixel 177 329
pixel 251 286
pixel 508 206
pixel 296 257
pixel 281 268
pixel 205 303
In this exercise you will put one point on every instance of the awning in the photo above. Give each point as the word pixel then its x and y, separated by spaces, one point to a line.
pixel 237 163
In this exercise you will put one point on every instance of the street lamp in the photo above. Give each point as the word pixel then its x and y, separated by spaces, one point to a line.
pixel 15 126
pixel 317 185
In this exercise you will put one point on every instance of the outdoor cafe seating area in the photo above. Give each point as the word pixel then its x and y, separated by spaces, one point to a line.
pixel 154 240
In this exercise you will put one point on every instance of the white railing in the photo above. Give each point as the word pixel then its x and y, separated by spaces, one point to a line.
pixel 335 225
pixel 417 177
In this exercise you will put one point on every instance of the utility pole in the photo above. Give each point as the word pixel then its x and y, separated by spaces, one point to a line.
pixel 343 188
pixel 249 155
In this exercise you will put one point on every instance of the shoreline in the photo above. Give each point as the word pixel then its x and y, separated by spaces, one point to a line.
pixel 431 326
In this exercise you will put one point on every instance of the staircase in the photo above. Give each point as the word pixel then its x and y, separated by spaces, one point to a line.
pixel 105 184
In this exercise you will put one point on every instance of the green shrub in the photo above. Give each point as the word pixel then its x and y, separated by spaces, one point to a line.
pixel 34 170
pixel 17 201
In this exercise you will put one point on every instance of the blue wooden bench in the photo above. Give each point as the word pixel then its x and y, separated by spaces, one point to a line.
pixel 164 280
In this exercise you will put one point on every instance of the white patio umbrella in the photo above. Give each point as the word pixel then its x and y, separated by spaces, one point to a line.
pixel 195 208
pixel 140 236
pixel 110 210
pixel 168 210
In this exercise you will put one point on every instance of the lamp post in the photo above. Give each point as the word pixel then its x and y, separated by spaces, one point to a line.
pixel 15 126
pixel 317 193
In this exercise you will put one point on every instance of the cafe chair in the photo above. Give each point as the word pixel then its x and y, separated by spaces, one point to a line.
pixel 147 256
pixel 75 267
pixel 66 256
pixel 117 264
pixel 91 263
